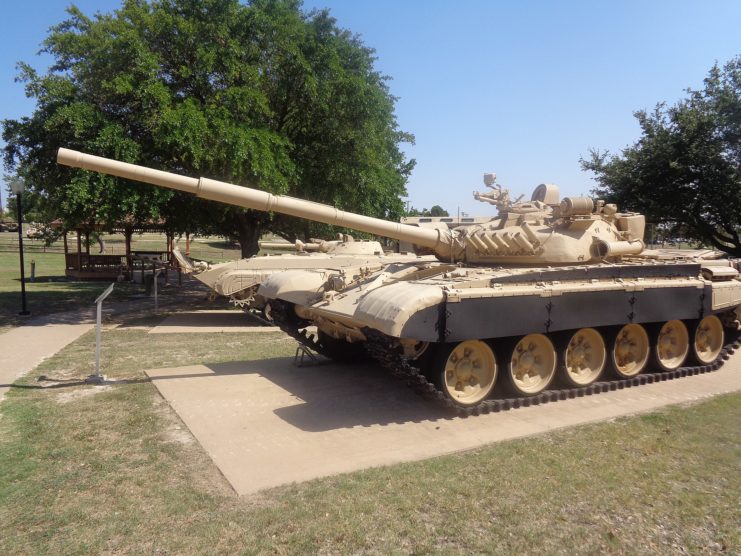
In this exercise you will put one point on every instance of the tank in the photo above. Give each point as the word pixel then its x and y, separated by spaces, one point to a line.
pixel 239 280
pixel 553 293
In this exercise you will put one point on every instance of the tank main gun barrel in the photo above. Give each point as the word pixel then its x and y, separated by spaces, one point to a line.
pixel 525 233
pixel 440 241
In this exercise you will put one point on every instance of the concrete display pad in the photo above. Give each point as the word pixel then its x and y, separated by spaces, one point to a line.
pixel 268 423
pixel 211 321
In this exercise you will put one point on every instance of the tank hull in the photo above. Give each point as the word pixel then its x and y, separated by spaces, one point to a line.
pixel 468 335
pixel 486 304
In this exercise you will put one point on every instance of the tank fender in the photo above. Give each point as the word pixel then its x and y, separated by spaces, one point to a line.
pixel 301 287
pixel 234 281
pixel 388 309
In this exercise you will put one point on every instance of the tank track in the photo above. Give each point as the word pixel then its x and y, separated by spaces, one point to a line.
pixel 382 350
pixel 282 318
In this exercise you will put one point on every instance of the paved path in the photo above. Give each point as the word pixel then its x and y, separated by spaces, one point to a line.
pixel 211 321
pixel 24 347
pixel 268 423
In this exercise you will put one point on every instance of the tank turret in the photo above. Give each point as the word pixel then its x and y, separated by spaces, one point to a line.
pixel 527 233
pixel 345 244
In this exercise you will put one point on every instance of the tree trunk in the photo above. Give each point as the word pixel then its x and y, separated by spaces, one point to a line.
pixel 249 229
pixel 79 249
pixel 128 232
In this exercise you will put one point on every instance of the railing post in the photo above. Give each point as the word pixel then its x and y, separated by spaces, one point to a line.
pixel 155 272
pixel 97 378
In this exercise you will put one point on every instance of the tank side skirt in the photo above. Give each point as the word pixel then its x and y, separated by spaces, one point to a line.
pixel 497 317
pixel 441 325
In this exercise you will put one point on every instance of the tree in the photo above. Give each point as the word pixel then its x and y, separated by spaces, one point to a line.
pixel 685 170
pixel 436 210
pixel 260 94
pixel 32 204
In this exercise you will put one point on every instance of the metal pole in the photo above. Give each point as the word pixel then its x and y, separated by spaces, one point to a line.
pixel 25 311
pixel 156 301
pixel 98 319
pixel 97 378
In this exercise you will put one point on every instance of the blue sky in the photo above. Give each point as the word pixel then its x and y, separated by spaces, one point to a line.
pixel 522 89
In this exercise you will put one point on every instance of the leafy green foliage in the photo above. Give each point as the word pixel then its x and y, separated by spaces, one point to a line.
pixel 685 170
pixel 32 205
pixel 436 210
pixel 259 94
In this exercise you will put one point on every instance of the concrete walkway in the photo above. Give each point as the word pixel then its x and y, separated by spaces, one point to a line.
pixel 226 320
pixel 268 423
pixel 24 347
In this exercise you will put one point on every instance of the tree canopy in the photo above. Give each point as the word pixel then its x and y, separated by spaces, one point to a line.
pixel 685 170
pixel 31 204
pixel 436 210
pixel 260 94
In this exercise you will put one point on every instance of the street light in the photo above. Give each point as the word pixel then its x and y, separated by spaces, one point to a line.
pixel 17 186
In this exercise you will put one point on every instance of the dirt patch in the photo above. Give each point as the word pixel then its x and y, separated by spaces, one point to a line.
pixel 80 393
pixel 173 428
pixel 179 436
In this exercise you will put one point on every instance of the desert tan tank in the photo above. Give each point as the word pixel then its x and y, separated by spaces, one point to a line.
pixel 239 280
pixel 552 290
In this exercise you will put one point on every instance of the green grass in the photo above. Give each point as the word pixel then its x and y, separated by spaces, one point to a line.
pixel 52 292
pixel 110 469
pixel 211 249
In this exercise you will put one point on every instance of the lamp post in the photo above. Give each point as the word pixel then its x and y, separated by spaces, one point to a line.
pixel 17 186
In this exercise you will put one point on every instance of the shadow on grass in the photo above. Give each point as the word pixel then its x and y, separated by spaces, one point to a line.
pixel 71 302
pixel 46 302
pixel 332 396
pixel 220 244
pixel 53 383
pixel 42 280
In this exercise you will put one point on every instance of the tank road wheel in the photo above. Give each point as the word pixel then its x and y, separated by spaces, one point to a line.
pixel 466 372
pixel 583 358
pixel 630 351
pixel 532 365
pixel 707 340
pixel 672 345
